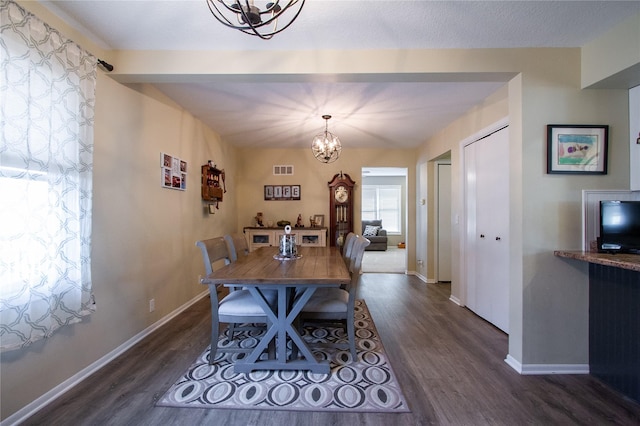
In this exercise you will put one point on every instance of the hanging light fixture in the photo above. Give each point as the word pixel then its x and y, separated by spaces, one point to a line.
pixel 245 16
pixel 326 146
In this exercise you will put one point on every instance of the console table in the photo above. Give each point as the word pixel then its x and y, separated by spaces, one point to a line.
pixel 262 236
pixel 614 318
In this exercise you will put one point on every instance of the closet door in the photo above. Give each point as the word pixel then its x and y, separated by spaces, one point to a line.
pixel 487 248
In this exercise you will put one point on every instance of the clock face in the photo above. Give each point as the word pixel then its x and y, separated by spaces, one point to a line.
pixel 341 195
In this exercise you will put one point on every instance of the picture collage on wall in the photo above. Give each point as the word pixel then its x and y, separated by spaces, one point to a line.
pixel 173 172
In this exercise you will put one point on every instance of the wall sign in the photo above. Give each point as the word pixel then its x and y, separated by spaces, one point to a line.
pixel 281 192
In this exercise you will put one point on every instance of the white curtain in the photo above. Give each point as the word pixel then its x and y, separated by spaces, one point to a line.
pixel 47 99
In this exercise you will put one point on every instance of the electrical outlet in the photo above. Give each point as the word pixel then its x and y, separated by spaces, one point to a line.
pixel 152 305
pixel 199 279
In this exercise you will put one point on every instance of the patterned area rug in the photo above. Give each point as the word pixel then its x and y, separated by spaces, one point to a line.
pixel 368 385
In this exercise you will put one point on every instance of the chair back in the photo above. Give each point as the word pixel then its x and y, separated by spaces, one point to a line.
pixel 348 246
pixel 357 253
pixel 214 252
pixel 236 245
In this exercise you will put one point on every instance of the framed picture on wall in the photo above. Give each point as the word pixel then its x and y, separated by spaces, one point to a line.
pixel 580 149
pixel 295 192
pixel 268 192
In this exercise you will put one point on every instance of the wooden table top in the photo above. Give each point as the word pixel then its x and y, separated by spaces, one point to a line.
pixel 317 266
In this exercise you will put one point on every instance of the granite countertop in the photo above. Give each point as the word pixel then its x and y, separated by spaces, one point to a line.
pixel 620 260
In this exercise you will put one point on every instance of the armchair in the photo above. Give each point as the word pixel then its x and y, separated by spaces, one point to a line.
pixel 377 236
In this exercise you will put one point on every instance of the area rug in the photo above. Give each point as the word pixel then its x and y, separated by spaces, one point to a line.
pixel 368 385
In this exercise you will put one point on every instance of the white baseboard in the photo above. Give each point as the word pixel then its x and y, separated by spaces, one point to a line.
pixel 541 369
pixel 36 405
pixel 455 300
pixel 418 275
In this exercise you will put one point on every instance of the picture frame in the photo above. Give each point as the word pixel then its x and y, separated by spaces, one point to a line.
pixel 577 149
pixel 295 192
pixel 173 172
pixel 268 192
pixel 318 219
pixel 282 192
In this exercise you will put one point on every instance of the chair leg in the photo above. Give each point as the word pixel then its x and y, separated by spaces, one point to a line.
pixel 351 335
pixel 215 329
pixel 232 330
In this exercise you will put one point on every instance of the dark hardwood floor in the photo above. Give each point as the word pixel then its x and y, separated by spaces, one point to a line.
pixel 449 362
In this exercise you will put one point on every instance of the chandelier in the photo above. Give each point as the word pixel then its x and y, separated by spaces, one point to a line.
pixel 245 16
pixel 326 146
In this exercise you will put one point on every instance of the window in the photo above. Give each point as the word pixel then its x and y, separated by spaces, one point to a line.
pixel 383 202
pixel 47 97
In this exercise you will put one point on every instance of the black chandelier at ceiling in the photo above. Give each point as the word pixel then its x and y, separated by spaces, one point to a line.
pixel 250 18
pixel 326 146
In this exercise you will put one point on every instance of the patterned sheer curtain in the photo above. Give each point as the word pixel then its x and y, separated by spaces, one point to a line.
pixel 47 100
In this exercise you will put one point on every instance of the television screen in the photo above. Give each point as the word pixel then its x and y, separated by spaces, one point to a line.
pixel 619 226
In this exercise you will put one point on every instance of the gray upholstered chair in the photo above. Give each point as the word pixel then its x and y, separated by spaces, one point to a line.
pixel 378 237
pixel 336 304
pixel 235 308
pixel 236 245
pixel 347 247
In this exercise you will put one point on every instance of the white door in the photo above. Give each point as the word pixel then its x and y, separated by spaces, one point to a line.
pixel 487 211
pixel 444 223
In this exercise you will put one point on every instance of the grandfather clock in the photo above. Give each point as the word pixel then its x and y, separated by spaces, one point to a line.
pixel 340 208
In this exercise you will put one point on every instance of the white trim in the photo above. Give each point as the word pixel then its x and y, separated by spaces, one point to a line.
pixel 420 276
pixel 50 396
pixel 455 300
pixel 542 369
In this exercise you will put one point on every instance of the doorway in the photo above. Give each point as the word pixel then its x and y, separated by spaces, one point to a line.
pixel 384 197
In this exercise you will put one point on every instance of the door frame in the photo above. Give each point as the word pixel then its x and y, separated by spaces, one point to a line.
pixel 436 230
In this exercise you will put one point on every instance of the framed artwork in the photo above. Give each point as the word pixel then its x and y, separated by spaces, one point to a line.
pixel 577 149
pixel 282 192
pixel 318 220
pixel 295 192
pixel 268 192
pixel 173 172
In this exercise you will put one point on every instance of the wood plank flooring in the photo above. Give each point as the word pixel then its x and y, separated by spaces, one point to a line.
pixel 449 362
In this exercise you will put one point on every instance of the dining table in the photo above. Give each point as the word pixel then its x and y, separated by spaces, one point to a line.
pixel 295 279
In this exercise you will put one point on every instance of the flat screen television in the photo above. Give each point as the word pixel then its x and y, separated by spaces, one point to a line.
pixel 619 226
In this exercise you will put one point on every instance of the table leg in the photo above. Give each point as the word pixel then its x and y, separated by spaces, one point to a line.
pixel 281 327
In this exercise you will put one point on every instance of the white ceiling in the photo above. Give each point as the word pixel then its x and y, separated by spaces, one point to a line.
pixel 366 113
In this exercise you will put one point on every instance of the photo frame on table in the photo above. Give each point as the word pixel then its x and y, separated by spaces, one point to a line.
pixel 577 149
pixel 318 220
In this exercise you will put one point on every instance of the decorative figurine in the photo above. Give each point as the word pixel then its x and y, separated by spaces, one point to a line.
pixel 312 223
pixel 299 223
pixel 259 219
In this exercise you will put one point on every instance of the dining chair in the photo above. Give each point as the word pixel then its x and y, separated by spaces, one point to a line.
pixel 348 246
pixel 237 307
pixel 237 246
pixel 337 304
